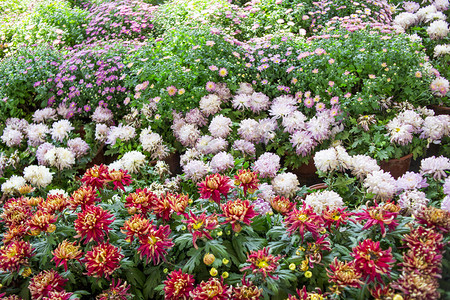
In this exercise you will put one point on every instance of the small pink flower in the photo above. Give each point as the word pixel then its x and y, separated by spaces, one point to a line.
pixel 223 72
pixel 348 95
pixel 331 83
pixel 315 71
pixel 213 68
pixel 171 90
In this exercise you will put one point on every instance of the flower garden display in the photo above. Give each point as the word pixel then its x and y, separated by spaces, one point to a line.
pixel 186 149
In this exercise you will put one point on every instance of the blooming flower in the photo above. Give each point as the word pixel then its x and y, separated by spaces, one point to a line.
pixel 15 255
pixel 411 181
pixel 336 217
pixel 303 219
pixel 66 251
pixel 178 285
pixel 435 166
pixel 238 211
pixel 155 244
pixel 116 291
pixel 78 147
pixel 221 162
pixel 412 201
pixel 195 170
pixel 119 178
pixel 285 184
pixel 320 201
pixel 83 196
pixel 371 260
pixel 381 183
pixel 102 260
pixel 136 226
pixel 435 218
pixel 267 165
pixel 93 224
pixel 200 226
pixel 343 274
pixel 213 186
pixel 378 215
pixel 141 201
pixel 220 126
pixel 261 262
pixel 281 204
pixel 45 282
pixel 61 129
pixel 39 176
pixel 211 289
pixel 97 176
pixel 41 221
pixel 248 180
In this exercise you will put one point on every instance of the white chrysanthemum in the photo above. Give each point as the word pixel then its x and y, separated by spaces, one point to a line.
pixel 60 130
pixel 400 133
pixel 413 201
pixel 45 114
pixel 249 130
pixel 440 86
pixel 101 132
pixel 434 17
pixel 36 134
pixel 319 201
pixel 415 38
pixel 78 146
pixel 58 192
pixel 12 137
pixel 210 104
pixel 363 165
pixel 59 157
pixel 203 143
pixel 190 154
pixel 438 29
pixel 12 185
pixel 102 115
pixel 441 5
pixel 441 50
pixel 294 122
pixel 265 191
pixel 162 168
pixel 245 88
pixel 267 129
pixel 285 184
pixel 435 166
pixel 220 126
pixel 150 141
pixel 221 162
pixel 382 184
pixel 425 11
pixel 412 118
pixel 188 135
pixel 132 161
pixel 195 170
pixel 241 101
pixel 435 127
pixel 280 109
pixel 405 20
pixel 116 165
pixel 326 160
pixel 259 102
pixel 319 127
pixel 124 133
pixel 39 176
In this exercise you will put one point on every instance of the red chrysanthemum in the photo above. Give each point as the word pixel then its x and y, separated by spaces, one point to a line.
pixel 15 233
pixel 435 218
pixel 371 260
pixel 178 285
pixel 162 207
pixel 248 180
pixel 15 255
pixel 54 203
pixel 281 204
pixel 119 179
pixel 155 244
pixel 422 261
pixel 41 221
pixel 65 252
pixel 336 217
pixel 213 186
pixel 315 250
pixel 212 289
pixel 10 297
pixel 246 291
pixel 377 215
pixel 116 291
pixel 102 260
pixel 97 176
pixel 303 294
pixel 178 202
pixel 136 226
pixel 261 262
pixel 303 219
pixel 45 282
pixel 382 292
pixel 238 211
pixel 93 224
pixel 201 226
pixel 141 202
pixel 55 295
pixel 343 274
pixel 424 238
pixel 15 211
pixel 84 196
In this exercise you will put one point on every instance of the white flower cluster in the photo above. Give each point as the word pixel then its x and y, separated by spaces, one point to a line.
pixel 319 201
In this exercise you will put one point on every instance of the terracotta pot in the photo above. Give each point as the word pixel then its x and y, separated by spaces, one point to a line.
pixel 440 109
pixel 306 173
pixel 397 167
pixel 318 186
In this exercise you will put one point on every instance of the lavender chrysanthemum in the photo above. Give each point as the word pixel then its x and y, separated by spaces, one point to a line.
pixel 78 146
pixel 445 204
pixel 221 162
pixel 446 186
pixel 294 122
pixel 195 116
pixel 267 165
pixel 45 114
pixel 102 115
pixel 210 104
pixel 249 130
pixel 101 132
pixel 262 207
pixel 435 166
pixel 381 184
pixel 244 146
pixel 195 170
pixel 188 135
pixel 220 126
pixel 303 142
pixel 12 137
pixel 259 102
pixel 412 201
pixel 411 181
pixel 41 151
pixel 36 134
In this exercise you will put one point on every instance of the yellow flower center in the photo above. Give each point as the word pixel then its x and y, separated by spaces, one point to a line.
pixel 261 263
pixel 302 217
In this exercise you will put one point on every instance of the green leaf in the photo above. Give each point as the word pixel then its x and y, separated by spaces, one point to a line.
pixel 193 261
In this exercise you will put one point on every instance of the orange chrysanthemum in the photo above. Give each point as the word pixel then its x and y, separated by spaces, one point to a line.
pixel 248 180
pixel 281 204
pixel 178 202
pixel 84 196
pixel 54 203
pixel 136 226
pixel 66 251
pixel 15 211
pixel 238 211
pixel 42 221
pixel 141 202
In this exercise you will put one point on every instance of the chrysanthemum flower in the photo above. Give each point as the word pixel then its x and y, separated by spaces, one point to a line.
pixel 141 201
pixel 93 224
pixel 97 176
pixel 424 238
pixel 281 204
pixel 261 262
pixel 212 289
pixel 178 202
pixel 422 261
pixel 343 274
pixel 246 291
pixel 213 186
pixel 248 180
pixel 162 207
pixel 303 219
pixel 15 211
pixel 201 225
pixel 14 233
pixel 435 218
pixel 378 215
pixel 84 196
pixel 155 244
pixel 54 203
pixel 238 211
pixel 371 260
pixel 58 295
pixel 336 217
pixel 45 282
pixel 65 252
pixel 41 221
pixel 116 291
pixel 303 294
pixel 15 255
pixel 417 286
pixel 382 292
pixel 285 184
pixel 120 178
pixel 136 226
pixel 178 285
pixel 102 260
